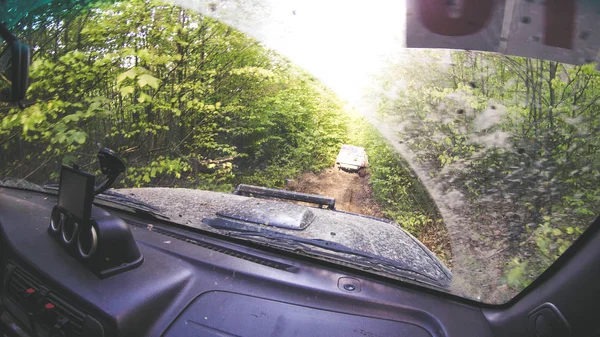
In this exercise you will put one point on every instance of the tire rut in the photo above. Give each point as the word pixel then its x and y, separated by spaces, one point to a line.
pixel 351 192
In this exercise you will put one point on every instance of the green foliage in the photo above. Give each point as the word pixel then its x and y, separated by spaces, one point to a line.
pixel 515 134
pixel 396 188
pixel 187 100
pixel 516 275
pixel 140 176
pixel 552 239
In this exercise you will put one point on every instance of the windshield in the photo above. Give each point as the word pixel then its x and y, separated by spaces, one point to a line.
pixel 349 149
pixel 489 160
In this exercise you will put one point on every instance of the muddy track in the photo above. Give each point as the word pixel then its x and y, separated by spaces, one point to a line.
pixel 351 192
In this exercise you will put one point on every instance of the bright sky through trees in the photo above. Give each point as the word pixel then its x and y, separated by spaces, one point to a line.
pixel 343 50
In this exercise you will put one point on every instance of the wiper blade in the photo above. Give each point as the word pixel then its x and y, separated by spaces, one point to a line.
pixel 359 257
pixel 20 184
pixel 136 205
pixel 123 198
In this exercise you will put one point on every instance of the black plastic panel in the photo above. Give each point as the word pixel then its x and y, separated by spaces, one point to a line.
pixel 571 288
pixel 218 314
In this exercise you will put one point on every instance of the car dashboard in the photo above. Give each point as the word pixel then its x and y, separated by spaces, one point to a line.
pixel 196 284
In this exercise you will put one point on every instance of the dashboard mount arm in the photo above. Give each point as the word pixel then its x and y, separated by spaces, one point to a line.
pixel 111 166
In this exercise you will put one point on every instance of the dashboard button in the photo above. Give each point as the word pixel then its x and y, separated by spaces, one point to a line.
pixel 30 300
pixel 47 315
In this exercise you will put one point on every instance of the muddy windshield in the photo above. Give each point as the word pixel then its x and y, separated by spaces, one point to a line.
pixel 354 150
pixel 470 166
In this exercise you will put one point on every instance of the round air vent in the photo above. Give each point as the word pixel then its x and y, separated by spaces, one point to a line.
pixel 69 230
pixel 57 219
pixel 87 242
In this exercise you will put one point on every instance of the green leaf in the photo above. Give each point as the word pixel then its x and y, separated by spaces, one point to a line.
pixel 125 91
pixel 145 79
pixel 79 137
pixel 71 118
pixel 556 232
pixel 144 97
pixel 69 159
pixel 127 74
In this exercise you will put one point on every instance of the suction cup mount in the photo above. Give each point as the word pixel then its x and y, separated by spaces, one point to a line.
pixel 111 166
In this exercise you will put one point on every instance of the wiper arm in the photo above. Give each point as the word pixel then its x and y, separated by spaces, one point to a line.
pixel 364 258
pixel 245 230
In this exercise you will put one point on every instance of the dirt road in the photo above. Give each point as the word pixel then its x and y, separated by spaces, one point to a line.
pixel 351 192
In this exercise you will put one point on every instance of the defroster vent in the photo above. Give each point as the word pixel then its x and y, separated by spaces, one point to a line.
pixel 216 248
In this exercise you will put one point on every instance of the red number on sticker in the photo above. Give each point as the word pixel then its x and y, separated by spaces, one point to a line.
pixel 436 17
pixel 559 23
pixel 559 19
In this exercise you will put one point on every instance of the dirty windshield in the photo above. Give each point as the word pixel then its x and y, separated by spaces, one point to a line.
pixel 483 147
pixel 355 150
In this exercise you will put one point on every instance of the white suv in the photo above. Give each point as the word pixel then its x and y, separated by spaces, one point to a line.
pixel 352 158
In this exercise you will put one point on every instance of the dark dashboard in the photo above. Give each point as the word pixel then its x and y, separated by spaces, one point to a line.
pixel 194 284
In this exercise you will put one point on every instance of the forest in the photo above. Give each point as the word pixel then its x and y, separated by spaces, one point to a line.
pixel 190 102
pixel 517 137
pixel 187 101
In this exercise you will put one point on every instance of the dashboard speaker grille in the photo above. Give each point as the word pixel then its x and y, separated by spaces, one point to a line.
pixel 227 251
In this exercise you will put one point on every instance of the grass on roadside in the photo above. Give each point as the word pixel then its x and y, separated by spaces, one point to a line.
pixel 399 192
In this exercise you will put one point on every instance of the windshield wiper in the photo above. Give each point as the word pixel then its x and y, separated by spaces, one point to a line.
pixel 364 259
pixel 134 204
pixel 112 195
pixel 138 206
pixel 20 184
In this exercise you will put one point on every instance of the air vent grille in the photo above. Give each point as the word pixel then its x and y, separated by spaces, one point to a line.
pixel 21 280
pixel 227 251
pixel 74 316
